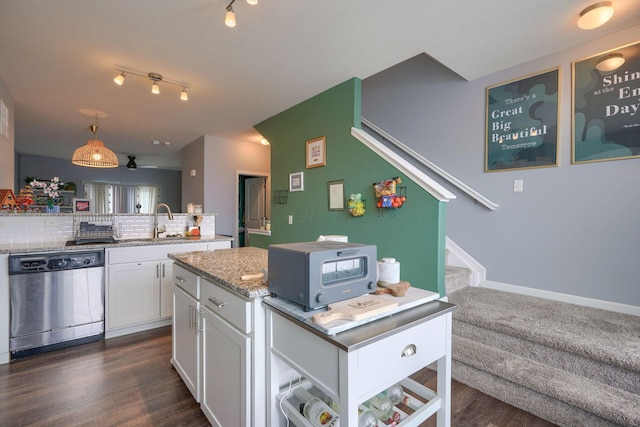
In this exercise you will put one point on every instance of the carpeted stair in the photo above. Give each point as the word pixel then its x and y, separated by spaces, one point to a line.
pixel 569 364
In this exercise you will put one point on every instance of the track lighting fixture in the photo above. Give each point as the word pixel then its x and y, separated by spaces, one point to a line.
pixel 595 15
pixel 230 16
pixel 610 62
pixel 156 78
pixel 94 154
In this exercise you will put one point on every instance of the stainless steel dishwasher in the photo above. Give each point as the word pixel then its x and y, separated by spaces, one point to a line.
pixel 56 300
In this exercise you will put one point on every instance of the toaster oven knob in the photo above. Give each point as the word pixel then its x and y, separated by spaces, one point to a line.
pixel 320 297
pixel 371 286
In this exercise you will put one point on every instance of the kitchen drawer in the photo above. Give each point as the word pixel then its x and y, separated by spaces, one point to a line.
pixel 231 307
pixel 187 280
pixel 384 362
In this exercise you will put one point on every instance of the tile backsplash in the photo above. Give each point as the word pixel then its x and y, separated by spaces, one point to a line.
pixel 31 228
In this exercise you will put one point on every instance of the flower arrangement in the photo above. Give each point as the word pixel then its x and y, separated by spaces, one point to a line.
pixel 51 190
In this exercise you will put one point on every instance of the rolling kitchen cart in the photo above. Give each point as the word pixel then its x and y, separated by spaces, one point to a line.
pixel 355 365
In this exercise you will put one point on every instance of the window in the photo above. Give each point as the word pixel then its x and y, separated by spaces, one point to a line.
pixel 121 198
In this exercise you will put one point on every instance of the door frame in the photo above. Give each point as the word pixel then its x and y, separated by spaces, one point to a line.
pixel 253 174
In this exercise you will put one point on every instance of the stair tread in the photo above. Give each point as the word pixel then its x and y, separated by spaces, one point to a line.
pixel 603 400
pixel 603 335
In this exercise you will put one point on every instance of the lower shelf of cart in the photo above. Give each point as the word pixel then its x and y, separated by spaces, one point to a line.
pixel 417 406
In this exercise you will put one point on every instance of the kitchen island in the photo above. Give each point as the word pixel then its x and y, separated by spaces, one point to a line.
pixel 219 333
pixel 230 340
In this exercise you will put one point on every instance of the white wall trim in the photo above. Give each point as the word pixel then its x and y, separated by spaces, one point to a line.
pixel 426 183
pixel 459 258
pixel 571 299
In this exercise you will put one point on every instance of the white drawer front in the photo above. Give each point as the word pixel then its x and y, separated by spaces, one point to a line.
pixel 187 280
pixel 150 252
pixel 233 308
pixel 383 362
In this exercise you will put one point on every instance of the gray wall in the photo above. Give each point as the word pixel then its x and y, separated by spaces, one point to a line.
pixel 574 230
pixel 217 162
pixel 7 144
pixel 47 168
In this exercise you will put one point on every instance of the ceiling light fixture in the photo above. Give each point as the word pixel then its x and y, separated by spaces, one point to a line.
pixel 94 154
pixel 610 62
pixel 119 79
pixel 155 78
pixel 132 163
pixel 230 16
pixel 595 15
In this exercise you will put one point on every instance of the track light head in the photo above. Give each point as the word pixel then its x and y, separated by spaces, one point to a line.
pixel 184 96
pixel 252 2
pixel 119 79
pixel 230 17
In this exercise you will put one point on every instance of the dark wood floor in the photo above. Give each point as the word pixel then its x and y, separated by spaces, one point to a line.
pixel 128 381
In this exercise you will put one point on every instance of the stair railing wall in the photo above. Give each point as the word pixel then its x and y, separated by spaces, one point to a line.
pixel 476 196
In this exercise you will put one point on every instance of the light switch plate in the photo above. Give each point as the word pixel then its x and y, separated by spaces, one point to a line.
pixel 517 186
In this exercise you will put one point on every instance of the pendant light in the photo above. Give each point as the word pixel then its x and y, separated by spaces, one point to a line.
pixel 94 154
pixel 132 163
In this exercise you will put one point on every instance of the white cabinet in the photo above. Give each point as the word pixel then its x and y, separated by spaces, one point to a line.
pixel 230 328
pixel 355 365
pixel 134 294
pixel 186 329
pixel 166 288
pixel 139 285
pixel 226 372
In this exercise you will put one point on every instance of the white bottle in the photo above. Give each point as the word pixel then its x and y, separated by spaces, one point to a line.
pixel 381 406
pixel 395 393
pixel 366 418
pixel 320 414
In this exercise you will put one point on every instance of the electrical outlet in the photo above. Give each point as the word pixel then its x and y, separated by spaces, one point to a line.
pixel 290 219
pixel 517 186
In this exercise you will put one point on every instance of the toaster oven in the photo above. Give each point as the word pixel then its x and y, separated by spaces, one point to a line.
pixel 315 274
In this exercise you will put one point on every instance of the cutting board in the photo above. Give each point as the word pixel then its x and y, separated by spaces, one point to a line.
pixel 353 309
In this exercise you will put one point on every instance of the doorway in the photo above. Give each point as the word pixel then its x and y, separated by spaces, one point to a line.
pixel 253 204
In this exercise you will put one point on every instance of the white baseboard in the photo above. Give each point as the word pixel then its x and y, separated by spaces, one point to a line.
pixel 137 328
pixel 557 296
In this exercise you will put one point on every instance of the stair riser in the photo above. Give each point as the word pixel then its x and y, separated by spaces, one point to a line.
pixel 577 364
pixel 538 404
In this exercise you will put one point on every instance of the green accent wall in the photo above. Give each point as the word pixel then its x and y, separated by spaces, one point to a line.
pixel 413 234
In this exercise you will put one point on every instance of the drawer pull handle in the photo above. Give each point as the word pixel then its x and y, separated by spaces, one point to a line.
pixel 409 350
pixel 180 279
pixel 216 302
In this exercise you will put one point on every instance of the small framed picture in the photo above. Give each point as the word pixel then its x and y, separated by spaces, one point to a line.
pixel 81 205
pixel 336 195
pixel 316 152
pixel 296 181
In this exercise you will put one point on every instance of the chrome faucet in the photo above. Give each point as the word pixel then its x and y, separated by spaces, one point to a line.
pixel 155 219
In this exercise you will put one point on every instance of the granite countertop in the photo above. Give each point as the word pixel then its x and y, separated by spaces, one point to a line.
pixel 226 266
pixel 59 245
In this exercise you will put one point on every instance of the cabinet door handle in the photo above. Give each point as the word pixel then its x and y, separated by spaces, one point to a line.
pixel 180 279
pixel 217 303
pixel 157 270
pixel 409 350
pixel 199 321
pixel 163 275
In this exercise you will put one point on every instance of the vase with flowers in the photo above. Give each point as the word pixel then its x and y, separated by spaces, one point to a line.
pixel 50 193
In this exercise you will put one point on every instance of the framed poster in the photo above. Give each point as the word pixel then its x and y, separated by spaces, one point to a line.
pixel 522 123
pixel 316 152
pixel 336 195
pixel 606 106
pixel 81 205
pixel 296 182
